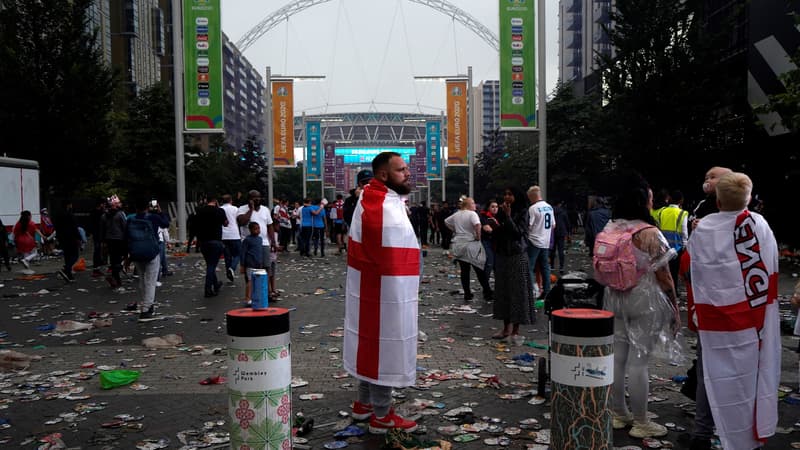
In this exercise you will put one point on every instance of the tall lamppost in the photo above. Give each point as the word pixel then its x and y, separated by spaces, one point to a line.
pixel 269 149
pixel 470 125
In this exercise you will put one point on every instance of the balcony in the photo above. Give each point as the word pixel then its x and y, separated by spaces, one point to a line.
pixel 574 22
pixel 575 41
pixel 573 5
pixel 600 36
pixel 601 13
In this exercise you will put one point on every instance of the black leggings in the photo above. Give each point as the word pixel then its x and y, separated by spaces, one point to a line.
pixel 483 279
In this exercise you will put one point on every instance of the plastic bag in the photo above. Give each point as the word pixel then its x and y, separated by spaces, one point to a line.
pixel 115 378
pixel 79 266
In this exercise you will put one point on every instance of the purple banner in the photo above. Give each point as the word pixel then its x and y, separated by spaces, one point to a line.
pixel 329 171
pixel 340 179
pixel 421 164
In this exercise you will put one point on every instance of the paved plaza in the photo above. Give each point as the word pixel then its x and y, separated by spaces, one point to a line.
pixel 168 407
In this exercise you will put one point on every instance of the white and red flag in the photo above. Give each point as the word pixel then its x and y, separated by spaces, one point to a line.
pixel 734 269
pixel 383 264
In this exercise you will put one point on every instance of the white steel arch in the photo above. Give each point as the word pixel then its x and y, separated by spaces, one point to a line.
pixel 297 6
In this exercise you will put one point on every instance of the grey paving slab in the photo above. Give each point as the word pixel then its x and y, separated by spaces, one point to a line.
pixel 458 341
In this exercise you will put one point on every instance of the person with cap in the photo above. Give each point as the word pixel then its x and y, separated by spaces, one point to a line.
pixel 362 179
pixel 48 230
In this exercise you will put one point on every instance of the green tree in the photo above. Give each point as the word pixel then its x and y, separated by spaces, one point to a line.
pixel 144 159
pixel 576 159
pixel 55 85
pixel 671 95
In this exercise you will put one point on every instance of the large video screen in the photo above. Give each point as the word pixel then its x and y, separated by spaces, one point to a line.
pixel 365 155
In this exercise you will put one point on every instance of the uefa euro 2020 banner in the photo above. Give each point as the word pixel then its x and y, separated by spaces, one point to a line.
pixel 283 123
pixel 457 123
pixel 202 59
pixel 433 152
pixel 313 151
pixel 517 64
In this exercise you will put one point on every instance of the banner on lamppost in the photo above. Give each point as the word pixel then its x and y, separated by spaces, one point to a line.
pixel 329 165
pixel 457 123
pixel 313 151
pixel 517 64
pixel 433 145
pixel 202 59
pixel 283 123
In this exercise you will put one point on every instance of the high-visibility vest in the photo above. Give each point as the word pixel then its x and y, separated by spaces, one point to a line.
pixel 670 222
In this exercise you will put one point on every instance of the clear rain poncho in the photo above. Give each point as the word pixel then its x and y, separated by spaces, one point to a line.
pixel 644 316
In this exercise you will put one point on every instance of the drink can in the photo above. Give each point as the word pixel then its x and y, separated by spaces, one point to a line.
pixel 260 290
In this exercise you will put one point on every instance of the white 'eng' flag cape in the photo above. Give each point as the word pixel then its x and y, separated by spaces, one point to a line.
pixel 383 262
pixel 734 270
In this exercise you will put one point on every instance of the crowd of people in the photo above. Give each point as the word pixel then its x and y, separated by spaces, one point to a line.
pixel 723 254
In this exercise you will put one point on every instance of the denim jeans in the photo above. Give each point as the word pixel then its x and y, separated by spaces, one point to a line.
pixel 211 251
pixel 162 246
pixel 540 255
pixel 232 250
pixel 148 274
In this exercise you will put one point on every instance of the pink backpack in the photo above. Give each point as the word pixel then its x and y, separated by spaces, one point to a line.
pixel 614 260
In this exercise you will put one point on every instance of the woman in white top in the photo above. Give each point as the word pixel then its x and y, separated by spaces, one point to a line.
pixel 467 248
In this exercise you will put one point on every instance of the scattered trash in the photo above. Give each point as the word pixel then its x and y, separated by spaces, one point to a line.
pixel 167 341
pixel 214 380
pixel 114 378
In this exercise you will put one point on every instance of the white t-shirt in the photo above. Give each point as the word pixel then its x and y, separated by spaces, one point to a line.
pixel 541 223
pixel 231 231
pixel 463 223
pixel 262 217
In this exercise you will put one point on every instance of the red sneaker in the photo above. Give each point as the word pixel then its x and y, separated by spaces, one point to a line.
pixel 381 425
pixel 361 411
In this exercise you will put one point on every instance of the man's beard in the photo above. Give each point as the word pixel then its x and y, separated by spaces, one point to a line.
pixel 402 189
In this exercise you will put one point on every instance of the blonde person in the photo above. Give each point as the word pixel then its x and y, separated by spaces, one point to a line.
pixel 467 247
pixel 734 269
pixel 641 313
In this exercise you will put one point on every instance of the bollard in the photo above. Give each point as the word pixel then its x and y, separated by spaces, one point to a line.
pixel 259 292
pixel 582 371
pixel 259 379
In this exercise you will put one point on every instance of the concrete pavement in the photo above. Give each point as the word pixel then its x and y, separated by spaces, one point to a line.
pixel 169 405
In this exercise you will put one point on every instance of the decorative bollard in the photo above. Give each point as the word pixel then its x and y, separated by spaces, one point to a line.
pixel 582 371
pixel 259 292
pixel 259 379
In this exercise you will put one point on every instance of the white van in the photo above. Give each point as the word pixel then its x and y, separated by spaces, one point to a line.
pixel 19 189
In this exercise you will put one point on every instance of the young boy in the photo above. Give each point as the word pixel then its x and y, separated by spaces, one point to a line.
pixel 252 254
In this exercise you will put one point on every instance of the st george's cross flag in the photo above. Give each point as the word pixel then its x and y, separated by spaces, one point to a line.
pixel 734 269
pixel 383 264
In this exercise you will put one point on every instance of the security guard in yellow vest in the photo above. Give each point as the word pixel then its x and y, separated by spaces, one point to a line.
pixel 673 222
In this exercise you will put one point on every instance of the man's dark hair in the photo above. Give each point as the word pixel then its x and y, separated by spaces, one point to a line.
pixel 211 198
pixel 676 196
pixel 227 198
pixel 338 196
pixel 142 204
pixel 382 160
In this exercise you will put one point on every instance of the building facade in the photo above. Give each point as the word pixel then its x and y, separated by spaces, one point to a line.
pixel 244 98
pixel 581 37
pixel 487 114
pixel 135 37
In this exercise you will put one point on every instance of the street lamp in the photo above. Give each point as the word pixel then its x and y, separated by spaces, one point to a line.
pixel 470 125
pixel 270 146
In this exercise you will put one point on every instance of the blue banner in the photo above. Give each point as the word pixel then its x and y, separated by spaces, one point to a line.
pixel 313 151
pixel 433 143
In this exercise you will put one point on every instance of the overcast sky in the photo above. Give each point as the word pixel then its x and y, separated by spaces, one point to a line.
pixel 371 50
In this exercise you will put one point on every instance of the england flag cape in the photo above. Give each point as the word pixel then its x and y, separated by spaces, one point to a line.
pixel 383 263
pixel 734 267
